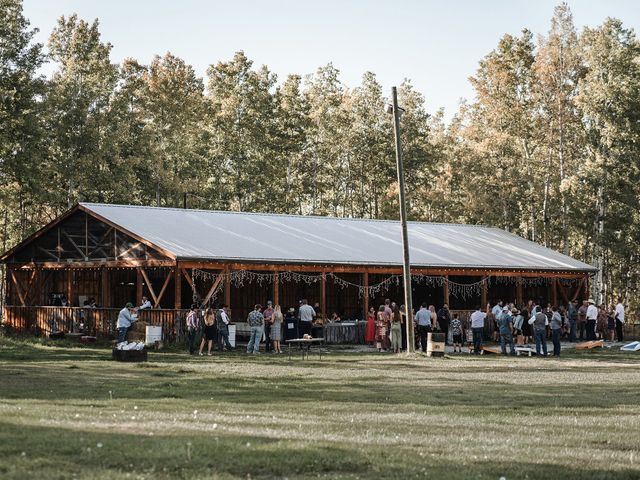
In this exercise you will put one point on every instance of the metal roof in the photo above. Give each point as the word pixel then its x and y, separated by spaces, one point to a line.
pixel 270 238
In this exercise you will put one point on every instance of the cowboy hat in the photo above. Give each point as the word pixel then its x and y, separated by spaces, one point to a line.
pixel 591 301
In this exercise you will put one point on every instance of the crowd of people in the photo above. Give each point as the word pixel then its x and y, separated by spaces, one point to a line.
pixel 510 325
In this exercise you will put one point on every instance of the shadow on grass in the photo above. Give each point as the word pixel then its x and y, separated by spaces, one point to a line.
pixel 65 453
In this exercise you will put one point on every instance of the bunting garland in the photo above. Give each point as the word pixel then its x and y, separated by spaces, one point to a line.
pixel 240 278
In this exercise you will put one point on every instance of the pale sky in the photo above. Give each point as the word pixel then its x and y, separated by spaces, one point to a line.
pixel 436 44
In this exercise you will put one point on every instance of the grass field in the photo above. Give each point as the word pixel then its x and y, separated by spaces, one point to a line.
pixel 69 412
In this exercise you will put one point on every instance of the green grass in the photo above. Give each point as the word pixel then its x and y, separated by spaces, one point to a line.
pixel 69 412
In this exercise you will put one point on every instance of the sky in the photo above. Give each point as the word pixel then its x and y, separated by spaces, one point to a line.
pixel 435 44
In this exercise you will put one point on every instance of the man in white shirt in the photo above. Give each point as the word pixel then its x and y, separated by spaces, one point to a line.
pixel 306 314
pixel 145 304
pixel 619 319
pixel 497 309
pixel 477 327
pixel 592 318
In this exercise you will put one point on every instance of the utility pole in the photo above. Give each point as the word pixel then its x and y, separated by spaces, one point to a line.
pixel 406 268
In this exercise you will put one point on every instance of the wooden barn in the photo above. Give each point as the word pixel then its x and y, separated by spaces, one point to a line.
pixel 117 253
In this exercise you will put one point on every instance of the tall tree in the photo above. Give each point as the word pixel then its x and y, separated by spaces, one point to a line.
pixel 78 109
pixel 609 100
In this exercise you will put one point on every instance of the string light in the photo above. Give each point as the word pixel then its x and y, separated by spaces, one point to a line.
pixel 239 278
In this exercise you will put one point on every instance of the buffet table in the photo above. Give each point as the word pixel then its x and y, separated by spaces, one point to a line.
pixel 345 332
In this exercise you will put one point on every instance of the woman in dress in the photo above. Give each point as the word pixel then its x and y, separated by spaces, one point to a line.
pixel 602 321
pixel 382 322
pixel 276 327
pixel 210 332
pixel 396 330
pixel 370 332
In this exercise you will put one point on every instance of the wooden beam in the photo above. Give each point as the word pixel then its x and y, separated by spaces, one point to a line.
pixel 563 293
pixel 212 289
pixel 365 300
pixel 149 286
pixel 86 235
pixel 69 287
pixel 27 290
pixel 18 289
pixel 323 295
pixel 577 292
pixel 162 290
pixel 68 237
pixel 64 265
pixel 132 247
pixel 445 288
pixel 189 280
pixel 554 292
pixel 139 287
pixel 227 287
pixel 276 288
pixel 48 252
pixel 483 298
pixel 519 293
pixel 178 288
pixel 105 290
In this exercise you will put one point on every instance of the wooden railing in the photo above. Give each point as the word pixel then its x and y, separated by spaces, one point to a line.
pixel 100 322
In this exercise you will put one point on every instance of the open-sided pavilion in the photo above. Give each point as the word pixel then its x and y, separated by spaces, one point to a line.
pixel 118 253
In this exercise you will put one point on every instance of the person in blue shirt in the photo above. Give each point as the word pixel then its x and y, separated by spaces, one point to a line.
pixel 505 324
pixel 423 319
pixel 125 318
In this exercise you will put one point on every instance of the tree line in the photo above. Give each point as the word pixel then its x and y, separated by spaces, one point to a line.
pixel 548 148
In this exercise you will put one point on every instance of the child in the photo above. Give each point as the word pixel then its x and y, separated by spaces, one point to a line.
pixel 457 332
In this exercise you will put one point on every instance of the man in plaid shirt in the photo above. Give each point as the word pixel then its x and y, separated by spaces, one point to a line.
pixel 256 322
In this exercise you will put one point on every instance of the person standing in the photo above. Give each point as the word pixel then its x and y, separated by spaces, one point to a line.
pixel 444 317
pixel 193 323
pixel 256 322
pixel 619 316
pixel 582 319
pixel 434 318
pixel 477 327
pixel 222 321
pixel 423 318
pixel 306 314
pixel 126 317
pixel 592 319
pixel 268 321
pixel 396 330
pixel 540 322
pixel 572 314
pixel 601 322
pixel 387 308
pixel 611 323
pixel 382 329
pixel 370 332
pixel 457 332
pixel 556 329
pixel 505 324
pixel 210 333
pixel 276 328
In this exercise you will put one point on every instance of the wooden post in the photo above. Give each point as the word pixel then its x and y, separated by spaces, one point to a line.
pixel 484 295
pixel 177 278
pixel 554 292
pixel 446 289
pixel 365 300
pixel 323 295
pixel 276 288
pixel 139 288
pixel 86 236
pixel 106 295
pixel 70 287
pixel 519 294
pixel 227 287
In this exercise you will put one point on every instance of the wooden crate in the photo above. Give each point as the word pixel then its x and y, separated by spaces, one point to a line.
pixel 129 355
